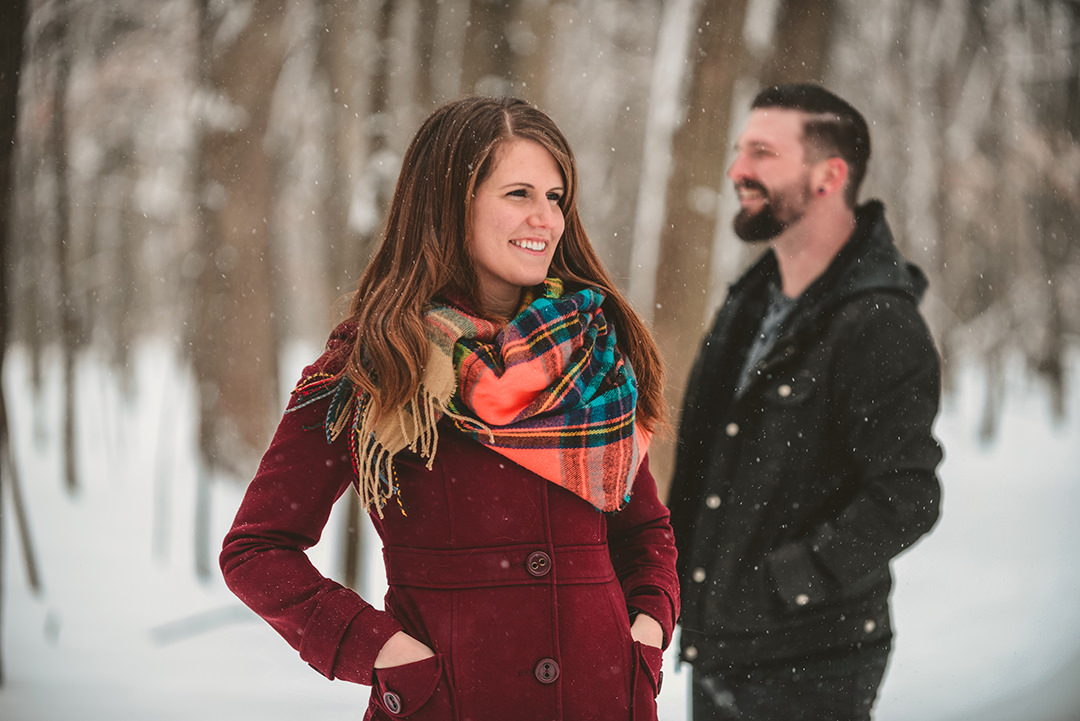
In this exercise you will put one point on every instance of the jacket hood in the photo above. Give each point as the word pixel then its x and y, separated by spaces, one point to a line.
pixel 871 262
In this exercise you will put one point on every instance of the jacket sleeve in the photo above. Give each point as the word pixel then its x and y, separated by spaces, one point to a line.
pixel 643 553
pixel 888 376
pixel 263 557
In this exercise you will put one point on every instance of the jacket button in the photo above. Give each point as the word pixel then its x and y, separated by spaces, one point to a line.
pixel 689 653
pixel 698 575
pixel 539 563
pixel 870 626
pixel 732 429
pixel 802 599
pixel 547 670
pixel 392 702
pixel 784 391
pixel 712 501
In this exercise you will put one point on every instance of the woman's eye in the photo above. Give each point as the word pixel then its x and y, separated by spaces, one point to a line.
pixel 554 197
pixel 519 193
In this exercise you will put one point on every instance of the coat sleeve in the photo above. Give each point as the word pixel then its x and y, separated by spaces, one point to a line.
pixel 643 553
pixel 263 557
pixel 888 373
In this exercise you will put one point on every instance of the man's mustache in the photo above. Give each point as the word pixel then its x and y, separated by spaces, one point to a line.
pixel 753 186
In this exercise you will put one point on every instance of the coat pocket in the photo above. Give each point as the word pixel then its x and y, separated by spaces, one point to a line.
pixel 648 678
pixel 419 691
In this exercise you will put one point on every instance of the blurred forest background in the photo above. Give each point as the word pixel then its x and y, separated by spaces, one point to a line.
pixel 213 173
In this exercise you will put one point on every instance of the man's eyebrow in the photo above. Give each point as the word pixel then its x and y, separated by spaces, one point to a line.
pixel 739 144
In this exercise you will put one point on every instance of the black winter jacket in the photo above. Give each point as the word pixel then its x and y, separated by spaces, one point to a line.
pixel 789 502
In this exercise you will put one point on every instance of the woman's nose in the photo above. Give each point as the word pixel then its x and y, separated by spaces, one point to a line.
pixel 545 213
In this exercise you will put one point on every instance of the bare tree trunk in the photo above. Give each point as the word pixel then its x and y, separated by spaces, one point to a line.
pixel 448 49
pixel 802 41
pixel 8 463
pixel 113 234
pixel 12 26
pixel 529 39
pixel 1057 195
pixel 666 108
pixel 350 57
pixel 70 330
pixel 234 350
pixel 233 346
pixel 487 56
pixel 407 47
pixel 699 148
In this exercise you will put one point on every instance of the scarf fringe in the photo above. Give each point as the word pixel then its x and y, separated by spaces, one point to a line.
pixel 373 446
pixel 339 414
pixel 374 476
pixel 413 426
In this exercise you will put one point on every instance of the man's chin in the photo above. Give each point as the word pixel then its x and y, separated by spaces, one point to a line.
pixel 756 227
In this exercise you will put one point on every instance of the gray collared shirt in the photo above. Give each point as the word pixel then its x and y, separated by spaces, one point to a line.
pixel 780 307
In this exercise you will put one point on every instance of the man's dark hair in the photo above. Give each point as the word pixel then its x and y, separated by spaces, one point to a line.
pixel 833 127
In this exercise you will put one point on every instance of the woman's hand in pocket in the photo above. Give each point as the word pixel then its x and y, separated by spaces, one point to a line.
pixel 401 648
pixel 646 630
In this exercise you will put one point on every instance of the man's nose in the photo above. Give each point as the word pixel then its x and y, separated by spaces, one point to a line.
pixel 737 169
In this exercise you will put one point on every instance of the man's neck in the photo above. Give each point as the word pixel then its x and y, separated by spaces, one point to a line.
pixel 806 249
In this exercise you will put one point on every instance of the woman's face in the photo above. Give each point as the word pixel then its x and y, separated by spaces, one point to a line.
pixel 516 223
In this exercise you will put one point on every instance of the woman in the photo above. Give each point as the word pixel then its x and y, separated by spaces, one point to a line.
pixel 491 397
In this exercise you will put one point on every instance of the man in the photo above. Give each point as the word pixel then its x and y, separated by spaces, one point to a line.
pixel 805 459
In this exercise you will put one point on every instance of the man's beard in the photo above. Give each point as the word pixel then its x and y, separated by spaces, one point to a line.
pixel 776 216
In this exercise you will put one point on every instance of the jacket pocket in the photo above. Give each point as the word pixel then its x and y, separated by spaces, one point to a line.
pixel 648 678
pixel 419 691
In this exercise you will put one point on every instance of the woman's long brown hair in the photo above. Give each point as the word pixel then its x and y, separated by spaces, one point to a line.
pixel 424 251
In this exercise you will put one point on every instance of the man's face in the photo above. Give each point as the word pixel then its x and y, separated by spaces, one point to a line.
pixel 771 174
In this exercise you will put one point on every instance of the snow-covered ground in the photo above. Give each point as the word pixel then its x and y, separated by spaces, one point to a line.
pixel 985 606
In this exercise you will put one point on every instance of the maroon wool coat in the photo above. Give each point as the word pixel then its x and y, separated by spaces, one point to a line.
pixel 523 590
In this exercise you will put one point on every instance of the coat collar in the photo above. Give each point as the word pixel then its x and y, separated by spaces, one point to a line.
pixel 868 262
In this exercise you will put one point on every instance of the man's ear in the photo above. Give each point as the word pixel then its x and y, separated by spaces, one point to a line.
pixel 829 176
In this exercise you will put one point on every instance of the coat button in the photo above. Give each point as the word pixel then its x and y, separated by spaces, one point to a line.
pixel 784 391
pixel 689 653
pixel 538 564
pixel 712 501
pixel 802 599
pixel 392 702
pixel 698 574
pixel 547 670
pixel 731 429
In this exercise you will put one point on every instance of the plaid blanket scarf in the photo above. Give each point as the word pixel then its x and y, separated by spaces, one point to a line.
pixel 549 390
